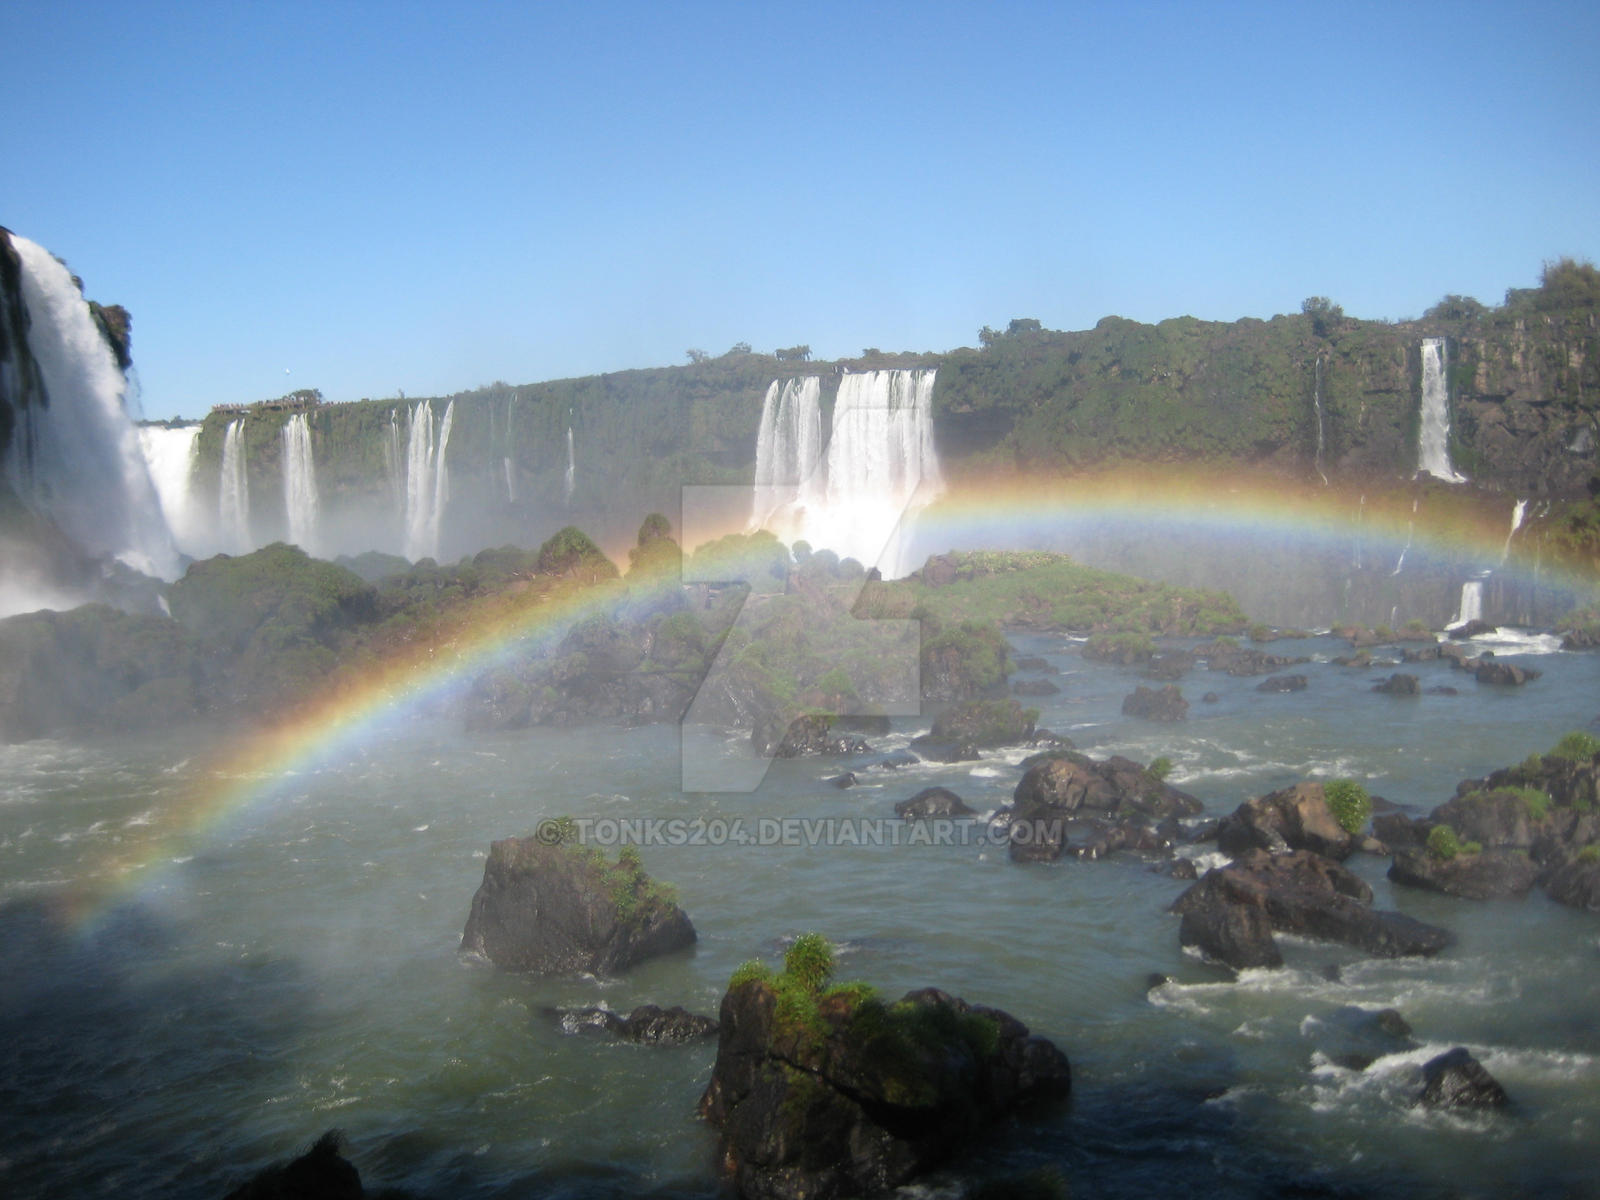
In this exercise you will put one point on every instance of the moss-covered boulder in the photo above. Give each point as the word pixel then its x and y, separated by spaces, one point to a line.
pixel 561 908
pixel 823 1091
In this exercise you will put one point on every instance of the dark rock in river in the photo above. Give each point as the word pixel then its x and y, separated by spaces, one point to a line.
pixel 933 802
pixel 1577 884
pixel 894 761
pixel 1400 684
pixel 1504 674
pixel 1110 804
pixel 1232 912
pixel 1296 817
pixel 561 909
pixel 1224 655
pixel 1396 829
pixel 1457 1080
pixel 847 780
pixel 1471 629
pixel 1035 663
pixel 321 1173
pixel 1151 704
pixel 811 734
pixel 1034 687
pixel 1494 874
pixel 1282 683
pixel 648 1024
pixel 868 1095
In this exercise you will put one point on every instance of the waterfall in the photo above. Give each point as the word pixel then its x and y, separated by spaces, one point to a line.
pixel 427 480
pixel 300 483
pixel 1433 443
pixel 1411 525
pixel 392 459
pixel 788 454
pixel 74 456
pixel 1471 604
pixel 879 468
pixel 1316 403
pixel 233 492
pixel 570 480
pixel 169 454
pixel 509 461
pixel 1518 512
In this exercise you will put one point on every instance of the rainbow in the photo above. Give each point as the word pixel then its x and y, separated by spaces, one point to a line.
pixel 356 707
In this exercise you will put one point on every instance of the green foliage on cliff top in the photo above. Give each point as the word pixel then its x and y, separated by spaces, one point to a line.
pixel 1350 803
pixel 1038 590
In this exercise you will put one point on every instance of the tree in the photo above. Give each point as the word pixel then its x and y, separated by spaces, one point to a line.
pixel 1022 325
pixel 1568 283
pixel 793 354
pixel 1456 308
pixel 1324 313
pixel 697 356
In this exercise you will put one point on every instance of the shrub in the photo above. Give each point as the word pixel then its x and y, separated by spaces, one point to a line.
pixel 750 971
pixel 1443 842
pixel 809 962
pixel 1576 746
pixel 1160 767
pixel 1350 803
pixel 1534 802
pixel 1589 854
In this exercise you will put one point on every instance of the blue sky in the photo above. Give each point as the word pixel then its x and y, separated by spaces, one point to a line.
pixel 369 198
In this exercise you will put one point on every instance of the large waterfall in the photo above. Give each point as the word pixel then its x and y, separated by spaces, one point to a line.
pixel 233 492
pixel 169 456
pixel 427 480
pixel 880 465
pixel 788 453
pixel 73 456
pixel 1433 443
pixel 300 483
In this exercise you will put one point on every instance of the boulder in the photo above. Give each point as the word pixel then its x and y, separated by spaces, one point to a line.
pixel 863 1096
pixel 1577 884
pixel 847 780
pixel 1109 803
pixel 1470 629
pixel 1296 817
pixel 1493 874
pixel 1170 664
pixel 1244 660
pixel 1356 1037
pixel 1232 912
pixel 1397 830
pixel 933 802
pixel 985 723
pixel 1035 663
pixel 1153 704
pixel 1457 1080
pixel 321 1173
pixel 562 909
pixel 1503 674
pixel 649 1024
pixel 1282 683
pixel 1034 687
pixel 810 734
pixel 1399 684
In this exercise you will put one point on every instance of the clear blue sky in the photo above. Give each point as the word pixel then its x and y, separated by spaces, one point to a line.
pixel 428 197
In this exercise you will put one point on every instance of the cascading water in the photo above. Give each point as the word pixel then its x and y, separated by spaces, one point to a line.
pixel 1518 512
pixel 233 491
pixel 788 454
pixel 1411 526
pixel 427 480
pixel 169 456
pixel 509 461
pixel 300 483
pixel 880 465
pixel 1433 443
pixel 392 459
pixel 74 456
pixel 1470 606
pixel 1316 403
pixel 569 481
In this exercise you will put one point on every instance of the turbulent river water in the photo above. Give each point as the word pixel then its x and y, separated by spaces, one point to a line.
pixel 296 968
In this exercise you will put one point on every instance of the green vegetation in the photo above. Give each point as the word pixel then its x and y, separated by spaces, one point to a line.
pixel 1535 803
pixel 1160 767
pixel 1351 804
pixel 1445 844
pixel 1589 854
pixel 1577 746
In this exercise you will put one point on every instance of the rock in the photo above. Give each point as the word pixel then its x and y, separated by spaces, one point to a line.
pixel 811 734
pixel 1119 793
pixel 1502 674
pixel 1170 664
pixel 933 802
pixel 1035 663
pixel 869 1095
pixel 1356 1037
pixel 321 1173
pixel 847 780
pixel 1282 683
pixel 559 909
pixel 648 1024
pixel 1184 868
pixel 1034 687
pixel 1232 912
pixel 1440 689
pixel 896 760
pixel 1400 684
pixel 1156 979
pixel 1244 660
pixel 1577 884
pixel 1470 629
pixel 1361 658
pixel 1372 846
pixel 1150 704
pixel 1493 874
pixel 1297 817
pixel 1457 1080
pixel 985 723
pixel 1210 698
pixel 1397 830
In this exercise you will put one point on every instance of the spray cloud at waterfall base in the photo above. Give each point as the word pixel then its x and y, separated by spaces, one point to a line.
pixel 879 469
